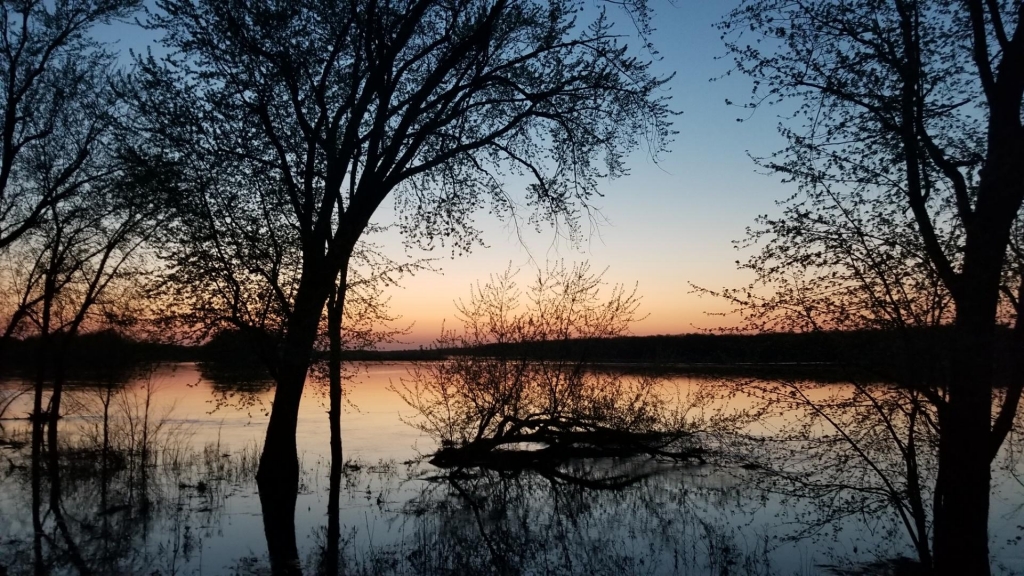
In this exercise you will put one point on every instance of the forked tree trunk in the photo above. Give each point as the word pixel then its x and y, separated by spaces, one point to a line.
pixel 278 474
pixel 279 462
pixel 966 442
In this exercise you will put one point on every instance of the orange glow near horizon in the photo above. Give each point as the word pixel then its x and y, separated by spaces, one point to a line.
pixel 427 301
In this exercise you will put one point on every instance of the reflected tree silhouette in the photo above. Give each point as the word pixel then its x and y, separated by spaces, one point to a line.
pixel 322 111
pixel 331 562
pixel 123 492
pixel 493 523
pixel 124 501
pixel 279 526
pixel 835 453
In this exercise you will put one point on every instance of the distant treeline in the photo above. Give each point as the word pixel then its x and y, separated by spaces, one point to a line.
pixel 874 353
pixel 885 355
pixel 773 348
pixel 100 355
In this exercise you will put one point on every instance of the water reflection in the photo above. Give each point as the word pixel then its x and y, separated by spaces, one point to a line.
pixel 494 524
pixel 278 505
pixel 152 477
pixel 124 491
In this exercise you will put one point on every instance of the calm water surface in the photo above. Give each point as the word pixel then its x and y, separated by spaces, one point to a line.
pixel 195 509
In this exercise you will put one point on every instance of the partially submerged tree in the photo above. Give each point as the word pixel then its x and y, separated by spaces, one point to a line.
pixel 292 122
pixel 494 396
pixel 82 265
pixel 90 252
pixel 72 217
pixel 358 318
pixel 907 147
pixel 844 452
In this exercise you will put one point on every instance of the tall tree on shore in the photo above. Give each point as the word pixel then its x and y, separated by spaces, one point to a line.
pixel 291 122
pixel 908 148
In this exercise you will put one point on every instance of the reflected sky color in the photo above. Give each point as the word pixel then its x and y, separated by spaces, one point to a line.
pixel 390 511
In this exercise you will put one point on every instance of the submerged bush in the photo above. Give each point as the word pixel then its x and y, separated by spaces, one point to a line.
pixel 492 403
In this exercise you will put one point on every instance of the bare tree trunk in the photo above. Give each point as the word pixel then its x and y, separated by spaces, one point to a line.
pixel 332 552
pixel 279 527
pixel 278 474
pixel 961 519
pixel 42 358
pixel 51 429
pixel 279 463
pixel 37 500
pixel 966 443
pixel 42 363
pixel 105 467
pixel 335 313
pixel 335 310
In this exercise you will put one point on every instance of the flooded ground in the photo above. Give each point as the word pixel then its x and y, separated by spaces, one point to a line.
pixel 156 477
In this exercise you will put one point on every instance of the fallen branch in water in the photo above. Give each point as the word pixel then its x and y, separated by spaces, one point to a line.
pixel 563 439
pixel 556 416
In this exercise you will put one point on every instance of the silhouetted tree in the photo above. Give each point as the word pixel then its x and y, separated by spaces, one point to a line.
pixel 56 105
pixel 358 318
pixel 72 216
pixel 291 122
pixel 907 147
pixel 90 255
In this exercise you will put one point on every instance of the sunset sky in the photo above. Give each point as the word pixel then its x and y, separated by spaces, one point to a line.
pixel 668 223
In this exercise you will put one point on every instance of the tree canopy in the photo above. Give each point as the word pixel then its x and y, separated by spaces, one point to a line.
pixel 291 123
pixel 906 144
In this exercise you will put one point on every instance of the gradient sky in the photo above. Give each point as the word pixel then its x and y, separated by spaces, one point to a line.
pixel 668 223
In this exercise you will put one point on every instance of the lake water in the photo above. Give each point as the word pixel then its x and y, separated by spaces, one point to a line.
pixel 194 508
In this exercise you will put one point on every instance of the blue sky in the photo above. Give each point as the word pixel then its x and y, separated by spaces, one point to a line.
pixel 668 224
